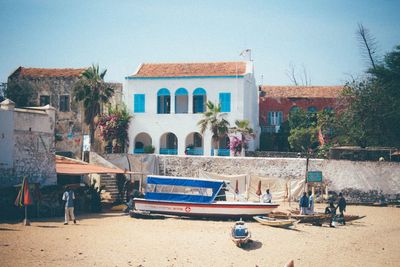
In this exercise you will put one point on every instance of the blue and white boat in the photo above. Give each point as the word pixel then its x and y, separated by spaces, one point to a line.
pixel 195 197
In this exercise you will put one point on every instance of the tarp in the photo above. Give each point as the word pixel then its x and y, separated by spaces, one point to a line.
pixel 182 189
pixel 280 188
pixel 76 167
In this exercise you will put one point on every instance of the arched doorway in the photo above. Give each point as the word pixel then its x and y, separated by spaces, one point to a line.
pixel 194 144
pixel 142 140
pixel 169 144
pixel 223 149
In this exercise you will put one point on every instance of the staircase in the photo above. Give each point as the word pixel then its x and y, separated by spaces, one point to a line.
pixel 111 188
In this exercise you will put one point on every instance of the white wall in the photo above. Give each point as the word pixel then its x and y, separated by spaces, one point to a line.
pixel 6 138
pixel 244 101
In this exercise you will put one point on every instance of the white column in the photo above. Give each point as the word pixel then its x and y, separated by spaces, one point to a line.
pixel 181 144
pixel 207 143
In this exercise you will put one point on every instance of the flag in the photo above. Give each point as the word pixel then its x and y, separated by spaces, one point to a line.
pixel 24 197
pixel 246 53
pixel 321 137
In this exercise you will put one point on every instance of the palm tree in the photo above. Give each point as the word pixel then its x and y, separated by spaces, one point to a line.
pixel 215 121
pixel 246 132
pixel 93 92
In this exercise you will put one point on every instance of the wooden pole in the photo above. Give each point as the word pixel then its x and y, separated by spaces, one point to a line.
pixel 26 221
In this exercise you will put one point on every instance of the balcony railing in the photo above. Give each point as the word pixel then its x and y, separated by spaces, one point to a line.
pixel 168 151
pixel 195 152
pixel 222 152
pixel 138 151
pixel 270 129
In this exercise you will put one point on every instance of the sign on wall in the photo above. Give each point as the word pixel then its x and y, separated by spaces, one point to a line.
pixel 314 177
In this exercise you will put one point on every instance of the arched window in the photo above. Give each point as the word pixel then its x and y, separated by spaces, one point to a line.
pixel 328 109
pixel 294 109
pixel 199 100
pixel 163 101
pixel 312 109
pixel 181 101
pixel 197 140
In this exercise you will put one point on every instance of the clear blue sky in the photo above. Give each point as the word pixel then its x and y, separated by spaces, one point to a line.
pixel 119 35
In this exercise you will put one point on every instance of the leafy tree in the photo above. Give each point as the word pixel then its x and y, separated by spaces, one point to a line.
pixel 372 114
pixel 21 93
pixel 214 120
pixel 303 139
pixel 92 91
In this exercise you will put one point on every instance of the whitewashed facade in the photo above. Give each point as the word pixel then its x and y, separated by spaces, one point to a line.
pixel 167 101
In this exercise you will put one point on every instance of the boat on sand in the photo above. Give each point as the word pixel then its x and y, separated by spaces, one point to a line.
pixel 195 197
pixel 275 222
pixel 240 235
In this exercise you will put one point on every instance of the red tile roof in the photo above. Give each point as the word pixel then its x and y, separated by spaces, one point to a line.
pixel 302 91
pixel 41 72
pixel 191 69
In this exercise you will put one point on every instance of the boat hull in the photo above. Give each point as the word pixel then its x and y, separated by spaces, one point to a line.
pixel 220 209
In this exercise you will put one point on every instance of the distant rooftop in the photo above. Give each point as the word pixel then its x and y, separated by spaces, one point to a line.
pixel 302 91
pixel 164 70
pixel 44 72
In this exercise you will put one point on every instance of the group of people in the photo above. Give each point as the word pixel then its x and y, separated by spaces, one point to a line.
pixel 331 209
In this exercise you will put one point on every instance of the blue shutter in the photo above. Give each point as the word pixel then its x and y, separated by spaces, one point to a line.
pixel 280 117
pixel 225 101
pixel 139 103
pixel 269 118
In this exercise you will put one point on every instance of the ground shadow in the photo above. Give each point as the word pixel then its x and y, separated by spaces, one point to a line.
pixel 8 229
pixel 252 245
pixel 47 226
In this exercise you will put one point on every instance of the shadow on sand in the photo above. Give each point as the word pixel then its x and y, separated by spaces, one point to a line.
pixel 252 245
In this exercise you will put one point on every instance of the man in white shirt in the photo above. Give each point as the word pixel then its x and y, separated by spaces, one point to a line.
pixel 69 198
pixel 267 197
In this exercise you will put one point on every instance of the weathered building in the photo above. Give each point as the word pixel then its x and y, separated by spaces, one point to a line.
pixel 55 87
pixel 276 102
pixel 27 144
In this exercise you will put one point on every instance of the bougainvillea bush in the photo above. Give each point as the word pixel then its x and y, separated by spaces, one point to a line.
pixel 235 145
pixel 114 126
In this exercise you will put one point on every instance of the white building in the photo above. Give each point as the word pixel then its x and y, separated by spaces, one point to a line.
pixel 167 101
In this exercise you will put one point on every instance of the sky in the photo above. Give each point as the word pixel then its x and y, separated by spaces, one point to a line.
pixel 319 36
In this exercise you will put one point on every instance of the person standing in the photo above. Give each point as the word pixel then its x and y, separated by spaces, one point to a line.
pixel 69 198
pixel 342 206
pixel 303 204
pixel 310 203
pixel 267 197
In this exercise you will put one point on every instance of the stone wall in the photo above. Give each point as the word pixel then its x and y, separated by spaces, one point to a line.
pixel 33 151
pixel 339 174
pixel 70 125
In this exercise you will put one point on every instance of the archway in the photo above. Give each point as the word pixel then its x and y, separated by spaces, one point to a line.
pixel 142 140
pixel 194 144
pixel 169 144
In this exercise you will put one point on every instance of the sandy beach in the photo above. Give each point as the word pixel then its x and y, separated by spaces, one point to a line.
pixel 115 239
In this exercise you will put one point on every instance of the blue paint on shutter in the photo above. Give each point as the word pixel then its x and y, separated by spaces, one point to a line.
pixel 139 103
pixel 225 101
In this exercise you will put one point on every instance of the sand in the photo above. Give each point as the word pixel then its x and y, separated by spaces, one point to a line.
pixel 114 239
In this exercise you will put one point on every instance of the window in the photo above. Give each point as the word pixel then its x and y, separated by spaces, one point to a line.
pixel 328 109
pixel 199 100
pixel 312 109
pixel 294 109
pixel 139 103
pixel 181 101
pixel 44 100
pixel 163 101
pixel 197 140
pixel 64 103
pixel 275 118
pixel 225 101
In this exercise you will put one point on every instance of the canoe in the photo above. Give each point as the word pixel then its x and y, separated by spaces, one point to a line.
pixel 275 222
pixel 319 215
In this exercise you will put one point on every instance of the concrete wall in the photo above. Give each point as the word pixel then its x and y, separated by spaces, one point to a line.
pixel 339 174
pixel 33 150
pixel 6 138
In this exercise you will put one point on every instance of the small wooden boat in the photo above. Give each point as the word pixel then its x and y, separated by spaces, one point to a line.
pixel 275 222
pixel 319 216
pixel 240 235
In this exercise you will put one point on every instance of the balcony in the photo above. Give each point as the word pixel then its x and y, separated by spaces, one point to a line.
pixel 222 152
pixel 270 129
pixel 195 152
pixel 168 151
pixel 138 151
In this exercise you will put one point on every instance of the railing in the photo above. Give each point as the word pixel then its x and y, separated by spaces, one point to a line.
pixel 222 152
pixel 195 151
pixel 168 151
pixel 138 151
pixel 270 129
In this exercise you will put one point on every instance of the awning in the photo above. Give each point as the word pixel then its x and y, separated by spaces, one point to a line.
pixel 77 167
